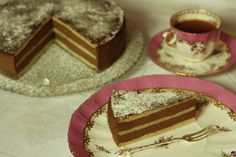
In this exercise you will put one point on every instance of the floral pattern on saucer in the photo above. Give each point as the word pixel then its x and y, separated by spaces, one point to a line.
pixel 231 154
pixel 169 59
pixel 223 59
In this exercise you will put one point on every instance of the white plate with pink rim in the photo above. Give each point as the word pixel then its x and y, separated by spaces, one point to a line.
pixel 89 134
pixel 223 57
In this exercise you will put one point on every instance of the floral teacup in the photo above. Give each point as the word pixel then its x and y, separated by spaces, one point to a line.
pixel 194 33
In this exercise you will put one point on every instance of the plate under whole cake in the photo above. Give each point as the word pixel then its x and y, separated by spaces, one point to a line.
pixel 49 77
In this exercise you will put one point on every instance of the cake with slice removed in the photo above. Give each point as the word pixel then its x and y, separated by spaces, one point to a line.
pixel 92 30
pixel 134 115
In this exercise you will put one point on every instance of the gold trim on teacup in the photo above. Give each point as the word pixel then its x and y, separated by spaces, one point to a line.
pixel 201 11
pixel 170 38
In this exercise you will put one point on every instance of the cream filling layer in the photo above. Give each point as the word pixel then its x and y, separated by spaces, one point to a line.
pixel 156 121
pixel 75 44
pixel 74 32
pixel 161 131
pixel 75 54
pixel 34 47
pixel 62 45
pixel 147 113
pixel 36 57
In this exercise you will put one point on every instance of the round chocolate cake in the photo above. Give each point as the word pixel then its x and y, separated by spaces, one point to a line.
pixel 92 30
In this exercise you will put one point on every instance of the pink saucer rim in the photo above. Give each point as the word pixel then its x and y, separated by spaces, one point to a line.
pixel 156 40
pixel 83 114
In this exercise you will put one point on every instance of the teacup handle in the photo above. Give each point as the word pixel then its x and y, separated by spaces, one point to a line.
pixel 169 37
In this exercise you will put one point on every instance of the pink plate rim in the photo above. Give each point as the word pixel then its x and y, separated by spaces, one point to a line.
pixel 230 41
pixel 83 114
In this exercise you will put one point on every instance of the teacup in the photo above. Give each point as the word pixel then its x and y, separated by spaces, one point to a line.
pixel 194 33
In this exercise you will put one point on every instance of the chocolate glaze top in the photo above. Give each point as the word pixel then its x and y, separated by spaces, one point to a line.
pixel 97 20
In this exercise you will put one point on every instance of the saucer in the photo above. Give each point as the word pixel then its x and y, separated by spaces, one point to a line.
pixel 223 57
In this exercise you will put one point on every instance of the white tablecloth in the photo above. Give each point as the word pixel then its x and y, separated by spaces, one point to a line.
pixel 37 127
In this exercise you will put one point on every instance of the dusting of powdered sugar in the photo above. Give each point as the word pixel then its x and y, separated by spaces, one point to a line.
pixel 126 103
pixel 96 20
pixel 73 76
pixel 17 21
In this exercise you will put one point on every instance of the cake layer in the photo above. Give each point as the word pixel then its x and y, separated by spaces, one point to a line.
pixel 35 53
pixel 157 114
pixel 98 21
pixel 157 121
pixel 128 105
pixel 37 41
pixel 75 49
pixel 99 57
pixel 19 20
pixel 108 53
pixel 154 128
pixel 74 35
pixel 43 29
pixel 29 50
pixel 7 64
pixel 64 37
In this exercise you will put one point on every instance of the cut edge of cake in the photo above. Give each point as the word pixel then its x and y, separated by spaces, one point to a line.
pixel 156 133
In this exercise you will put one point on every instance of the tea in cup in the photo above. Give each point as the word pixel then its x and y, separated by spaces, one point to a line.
pixel 194 33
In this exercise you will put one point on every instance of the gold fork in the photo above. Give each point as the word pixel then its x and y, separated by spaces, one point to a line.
pixel 197 136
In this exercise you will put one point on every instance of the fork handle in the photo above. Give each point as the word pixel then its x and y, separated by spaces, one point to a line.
pixel 157 145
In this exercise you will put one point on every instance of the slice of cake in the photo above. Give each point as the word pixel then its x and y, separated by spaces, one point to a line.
pixel 135 115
